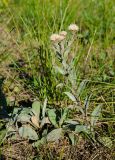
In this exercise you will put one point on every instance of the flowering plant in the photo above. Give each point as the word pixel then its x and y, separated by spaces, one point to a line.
pixel 63 59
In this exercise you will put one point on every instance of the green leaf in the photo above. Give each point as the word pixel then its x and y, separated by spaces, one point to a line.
pixel 70 121
pixel 72 138
pixel 71 96
pixel 2 136
pixel 60 85
pixel 36 109
pixel 23 118
pixel 86 104
pixel 60 70
pixel 25 110
pixel 72 77
pixel 16 110
pixel 55 135
pixel 39 142
pixel 52 117
pixel 28 132
pixel 82 128
pixel 80 109
pixel 65 65
pixel 95 115
pixel 44 108
pixel 21 114
pixel 81 87
pixel 21 111
pixel 44 133
pixel 64 116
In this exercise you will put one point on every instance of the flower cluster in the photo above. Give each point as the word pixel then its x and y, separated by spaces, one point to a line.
pixel 73 27
pixel 62 35
pixel 58 37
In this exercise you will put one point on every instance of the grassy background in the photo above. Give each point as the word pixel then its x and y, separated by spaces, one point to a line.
pixel 26 26
pixel 32 22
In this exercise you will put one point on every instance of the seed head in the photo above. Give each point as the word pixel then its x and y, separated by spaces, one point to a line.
pixel 73 27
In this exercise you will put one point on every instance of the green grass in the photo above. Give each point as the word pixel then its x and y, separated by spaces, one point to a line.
pixel 30 24
pixel 35 21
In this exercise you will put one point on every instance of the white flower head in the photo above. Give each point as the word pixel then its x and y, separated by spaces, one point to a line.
pixel 61 37
pixel 63 33
pixel 73 27
pixel 56 38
